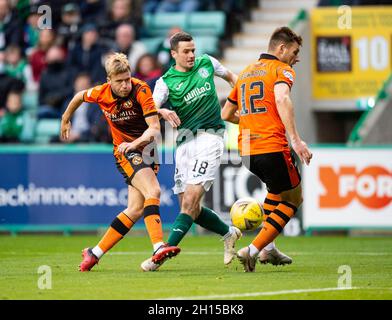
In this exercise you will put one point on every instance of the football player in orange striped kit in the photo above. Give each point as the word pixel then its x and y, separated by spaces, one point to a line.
pixel 129 108
pixel 260 103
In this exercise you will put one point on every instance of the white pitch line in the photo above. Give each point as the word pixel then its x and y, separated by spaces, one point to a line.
pixel 304 253
pixel 182 253
pixel 258 294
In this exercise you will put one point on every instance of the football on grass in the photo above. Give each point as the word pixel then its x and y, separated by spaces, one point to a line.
pixel 246 214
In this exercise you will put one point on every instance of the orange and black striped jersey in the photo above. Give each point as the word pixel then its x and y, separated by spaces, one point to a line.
pixel 261 129
pixel 126 116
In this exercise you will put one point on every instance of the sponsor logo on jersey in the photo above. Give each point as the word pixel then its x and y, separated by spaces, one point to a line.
pixel 196 93
pixel 179 86
pixel 288 75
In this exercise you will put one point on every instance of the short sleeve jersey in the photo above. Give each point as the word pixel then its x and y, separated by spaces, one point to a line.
pixel 126 116
pixel 260 128
pixel 192 95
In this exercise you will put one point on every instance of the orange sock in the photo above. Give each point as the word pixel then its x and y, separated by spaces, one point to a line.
pixel 274 224
pixel 152 220
pixel 270 203
pixel 117 230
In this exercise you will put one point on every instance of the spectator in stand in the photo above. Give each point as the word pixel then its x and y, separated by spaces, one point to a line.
pixel 126 44
pixel 149 6
pixel 163 51
pixel 31 31
pixel 88 121
pixel 172 6
pixel 11 28
pixel 7 84
pixel 37 58
pixel 121 12
pixel 68 30
pixel 55 85
pixel 17 67
pixel 87 55
pixel 148 70
pixel 92 10
pixel 12 122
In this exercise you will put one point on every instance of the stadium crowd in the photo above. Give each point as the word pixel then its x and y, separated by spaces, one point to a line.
pixel 41 67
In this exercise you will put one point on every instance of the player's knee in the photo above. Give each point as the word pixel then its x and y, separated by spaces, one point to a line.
pixel 293 196
pixel 153 193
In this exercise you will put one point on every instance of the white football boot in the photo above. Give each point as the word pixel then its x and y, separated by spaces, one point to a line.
pixel 229 244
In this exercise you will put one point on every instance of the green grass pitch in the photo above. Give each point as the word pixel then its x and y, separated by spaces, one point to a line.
pixel 198 272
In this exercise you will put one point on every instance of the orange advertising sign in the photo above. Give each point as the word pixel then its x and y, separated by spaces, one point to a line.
pixel 348 187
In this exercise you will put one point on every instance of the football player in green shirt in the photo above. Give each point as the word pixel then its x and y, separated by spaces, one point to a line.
pixel 195 111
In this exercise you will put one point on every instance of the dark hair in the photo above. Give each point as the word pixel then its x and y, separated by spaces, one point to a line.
pixel 178 37
pixel 283 35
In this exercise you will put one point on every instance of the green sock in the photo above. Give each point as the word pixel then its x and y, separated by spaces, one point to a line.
pixel 179 229
pixel 209 220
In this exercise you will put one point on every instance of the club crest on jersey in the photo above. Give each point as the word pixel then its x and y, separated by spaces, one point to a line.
pixel 288 75
pixel 203 72
pixel 127 104
pixel 136 160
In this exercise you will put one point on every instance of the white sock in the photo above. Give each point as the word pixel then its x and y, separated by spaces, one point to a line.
pixel 157 245
pixel 270 246
pixel 97 251
pixel 253 250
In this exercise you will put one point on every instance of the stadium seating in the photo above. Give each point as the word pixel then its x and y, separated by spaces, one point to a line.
pixel 29 125
pixel 46 129
pixel 30 100
pixel 206 44
pixel 197 23
pixel 206 23
pixel 205 27
pixel 159 24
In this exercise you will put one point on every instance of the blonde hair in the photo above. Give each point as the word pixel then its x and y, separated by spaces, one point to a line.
pixel 117 63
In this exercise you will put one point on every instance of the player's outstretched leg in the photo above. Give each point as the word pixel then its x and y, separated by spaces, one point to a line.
pixel 271 229
pixel 209 220
pixel 89 260
pixel 117 230
pixel 246 259
pixel 179 229
pixel 164 252
pixel 159 257
pixel 229 240
pixel 271 254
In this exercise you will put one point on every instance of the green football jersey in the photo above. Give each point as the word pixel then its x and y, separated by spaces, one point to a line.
pixel 192 95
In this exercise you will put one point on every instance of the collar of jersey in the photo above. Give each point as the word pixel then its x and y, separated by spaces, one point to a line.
pixel 268 56
pixel 182 72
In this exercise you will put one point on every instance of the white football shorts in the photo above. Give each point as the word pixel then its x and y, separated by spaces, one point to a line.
pixel 198 161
